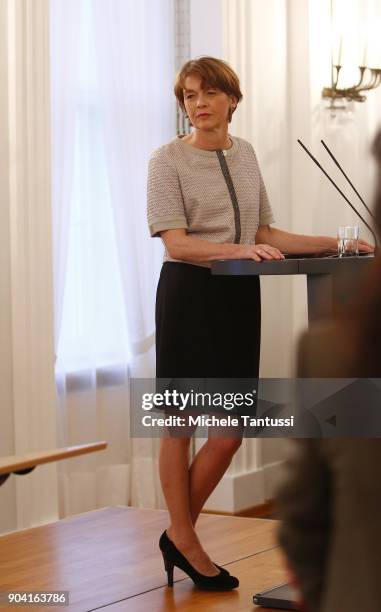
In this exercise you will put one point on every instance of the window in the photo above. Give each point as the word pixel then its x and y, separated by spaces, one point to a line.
pixel 93 331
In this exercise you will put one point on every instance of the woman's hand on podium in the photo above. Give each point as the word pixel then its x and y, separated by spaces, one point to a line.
pixel 365 247
pixel 260 252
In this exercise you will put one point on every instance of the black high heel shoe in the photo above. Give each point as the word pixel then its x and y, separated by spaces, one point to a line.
pixel 173 557
pixel 166 541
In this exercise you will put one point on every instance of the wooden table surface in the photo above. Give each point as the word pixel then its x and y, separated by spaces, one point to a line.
pixel 110 557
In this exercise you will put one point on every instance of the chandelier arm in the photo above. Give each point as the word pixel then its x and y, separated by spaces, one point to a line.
pixel 362 74
pixel 335 82
pixel 372 83
pixel 354 92
pixel 373 78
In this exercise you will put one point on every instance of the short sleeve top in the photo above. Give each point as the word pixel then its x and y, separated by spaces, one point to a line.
pixel 187 189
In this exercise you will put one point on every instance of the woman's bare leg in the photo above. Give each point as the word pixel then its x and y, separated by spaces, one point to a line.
pixel 208 467
pixel 174 476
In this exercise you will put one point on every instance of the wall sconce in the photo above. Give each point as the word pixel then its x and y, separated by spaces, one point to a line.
pixel 369 78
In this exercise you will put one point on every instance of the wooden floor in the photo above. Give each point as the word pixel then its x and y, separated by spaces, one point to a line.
pixel 110 557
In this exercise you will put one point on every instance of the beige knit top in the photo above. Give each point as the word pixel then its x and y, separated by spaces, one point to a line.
pixel 187 189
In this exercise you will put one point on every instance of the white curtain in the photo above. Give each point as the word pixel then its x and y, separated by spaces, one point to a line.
pixel 135 60
pixel 123 109
pixel 28 412
pixel 138 109
pixel 64 48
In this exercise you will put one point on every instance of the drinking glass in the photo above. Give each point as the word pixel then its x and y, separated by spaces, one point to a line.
pixel 348 240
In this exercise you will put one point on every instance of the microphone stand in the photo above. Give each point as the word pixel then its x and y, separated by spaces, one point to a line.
pixel 351 184
pixel 341 193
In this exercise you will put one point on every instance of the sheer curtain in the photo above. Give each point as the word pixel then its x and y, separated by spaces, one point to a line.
pixel 122 109
pixel 64 49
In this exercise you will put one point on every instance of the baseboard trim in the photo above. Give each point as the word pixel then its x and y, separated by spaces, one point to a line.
pixel 264 510
pixel 242 492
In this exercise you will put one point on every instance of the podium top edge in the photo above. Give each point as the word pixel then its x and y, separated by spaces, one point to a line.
pixel 289 266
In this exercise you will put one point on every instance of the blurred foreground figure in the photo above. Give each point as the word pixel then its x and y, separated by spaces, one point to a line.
pixel 330 500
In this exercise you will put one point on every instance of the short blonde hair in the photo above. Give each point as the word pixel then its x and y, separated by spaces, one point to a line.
pixel 213 72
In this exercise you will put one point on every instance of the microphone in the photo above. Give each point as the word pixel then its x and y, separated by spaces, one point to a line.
pixel 341 193
pixel 351 184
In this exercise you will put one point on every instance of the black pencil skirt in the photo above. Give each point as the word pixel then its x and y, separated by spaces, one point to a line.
pixel 207 327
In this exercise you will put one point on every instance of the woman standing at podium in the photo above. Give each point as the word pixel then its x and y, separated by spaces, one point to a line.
pixel 207 201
